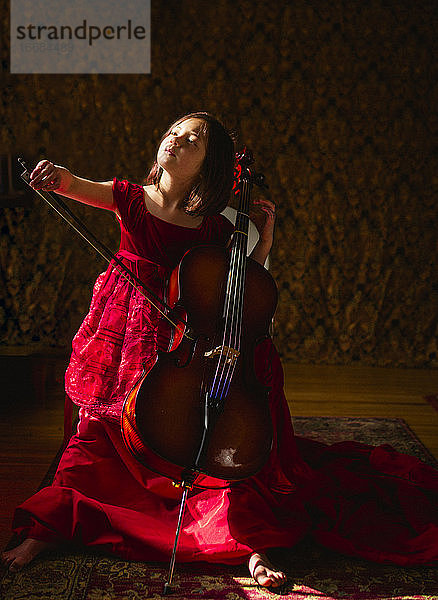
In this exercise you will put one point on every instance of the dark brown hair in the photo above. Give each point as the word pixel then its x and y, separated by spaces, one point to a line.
pixel 211 193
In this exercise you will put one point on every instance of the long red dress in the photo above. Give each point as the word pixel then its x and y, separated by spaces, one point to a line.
pixel 364 501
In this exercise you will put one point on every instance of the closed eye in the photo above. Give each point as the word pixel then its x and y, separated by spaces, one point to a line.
pixel 192 139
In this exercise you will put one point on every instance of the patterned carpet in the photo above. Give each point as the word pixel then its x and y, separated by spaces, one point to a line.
pixel 314 573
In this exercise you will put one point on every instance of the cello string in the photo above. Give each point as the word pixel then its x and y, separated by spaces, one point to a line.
pixel 236 315
pixel 236 328
pixel 241 270
pixel 223 365
pixel 217 383
pixel 233 323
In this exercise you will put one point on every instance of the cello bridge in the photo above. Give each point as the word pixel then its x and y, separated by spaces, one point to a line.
pixel 230 354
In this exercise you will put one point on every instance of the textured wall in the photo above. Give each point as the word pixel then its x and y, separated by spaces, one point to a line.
pixel 338 101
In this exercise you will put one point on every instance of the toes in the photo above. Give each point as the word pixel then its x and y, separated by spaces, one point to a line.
pixel 264 580
pixel 264 573
pixel 15 566
pixel 275 579
pixel 278 579
pixel 267 578
pixel 9 561
pixel 14 561
pixel 6 559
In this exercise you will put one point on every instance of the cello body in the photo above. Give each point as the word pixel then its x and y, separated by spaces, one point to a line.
pixel 164 416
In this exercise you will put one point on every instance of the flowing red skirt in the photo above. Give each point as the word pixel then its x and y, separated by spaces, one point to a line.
pixel 364 501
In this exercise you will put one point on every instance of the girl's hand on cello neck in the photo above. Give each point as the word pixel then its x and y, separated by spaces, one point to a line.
pixel 49 177
pixel 263 216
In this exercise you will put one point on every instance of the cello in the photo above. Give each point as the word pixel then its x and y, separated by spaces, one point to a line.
pixel 201 409
pixel 200 416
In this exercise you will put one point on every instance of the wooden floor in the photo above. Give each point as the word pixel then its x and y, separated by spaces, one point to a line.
pixel 32 418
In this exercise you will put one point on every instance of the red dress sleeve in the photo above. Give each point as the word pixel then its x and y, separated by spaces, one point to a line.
pixel 129 200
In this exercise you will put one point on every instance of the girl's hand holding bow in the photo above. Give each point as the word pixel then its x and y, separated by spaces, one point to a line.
pixel 49 177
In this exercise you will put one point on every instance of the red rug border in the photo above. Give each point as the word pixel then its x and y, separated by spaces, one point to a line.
pixel 400 420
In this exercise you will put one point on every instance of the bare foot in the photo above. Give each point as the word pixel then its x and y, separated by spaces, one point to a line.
pixel 264 572
pixel 23 554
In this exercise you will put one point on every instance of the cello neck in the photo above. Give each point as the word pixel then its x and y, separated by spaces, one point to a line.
pixel 233 306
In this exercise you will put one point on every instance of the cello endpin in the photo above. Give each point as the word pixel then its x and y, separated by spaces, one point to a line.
pixel 167 589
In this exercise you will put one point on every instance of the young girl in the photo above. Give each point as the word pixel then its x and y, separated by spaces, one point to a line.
pixel 96 496
pixel 364 501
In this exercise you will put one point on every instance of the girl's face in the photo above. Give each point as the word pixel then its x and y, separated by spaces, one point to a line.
pixel 182 151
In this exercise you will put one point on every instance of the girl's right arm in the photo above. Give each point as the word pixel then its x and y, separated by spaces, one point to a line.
pixel 49 177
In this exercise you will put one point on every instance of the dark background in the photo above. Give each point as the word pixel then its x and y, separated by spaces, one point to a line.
pixel 337 100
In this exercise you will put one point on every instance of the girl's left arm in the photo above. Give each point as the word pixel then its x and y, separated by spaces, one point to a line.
pixel 263 217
